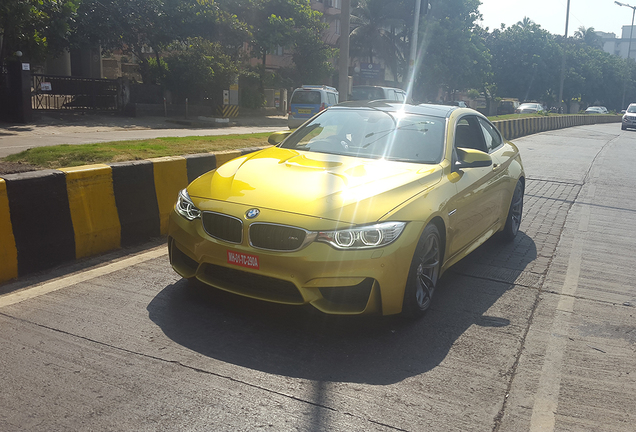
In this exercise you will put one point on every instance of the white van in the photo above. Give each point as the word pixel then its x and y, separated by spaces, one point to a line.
pixel 308 101
pixel 367 92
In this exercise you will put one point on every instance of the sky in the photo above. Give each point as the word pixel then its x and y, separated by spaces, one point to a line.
pixel 603 15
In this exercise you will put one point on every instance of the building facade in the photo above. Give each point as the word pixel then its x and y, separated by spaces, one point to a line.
pixel 620 46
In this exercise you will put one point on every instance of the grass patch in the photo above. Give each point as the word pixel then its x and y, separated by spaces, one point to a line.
pixel 67 155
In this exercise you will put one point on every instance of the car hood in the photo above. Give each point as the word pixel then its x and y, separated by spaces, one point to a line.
pixel 342 188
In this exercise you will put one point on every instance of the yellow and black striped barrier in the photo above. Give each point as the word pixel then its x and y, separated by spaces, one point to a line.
pixel 50 217
pixel 226 111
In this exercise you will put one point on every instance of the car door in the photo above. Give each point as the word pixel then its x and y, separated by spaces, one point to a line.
pixel 474 210
pixel 501 153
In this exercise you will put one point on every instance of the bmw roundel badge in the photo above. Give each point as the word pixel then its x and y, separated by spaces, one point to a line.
pixel 252 213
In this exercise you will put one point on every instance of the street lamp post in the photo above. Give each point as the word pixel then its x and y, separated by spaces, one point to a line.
pixel 565 41
pixel 629 46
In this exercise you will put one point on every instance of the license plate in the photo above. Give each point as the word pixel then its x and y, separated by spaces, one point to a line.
pixel 304 110
pixel 243 260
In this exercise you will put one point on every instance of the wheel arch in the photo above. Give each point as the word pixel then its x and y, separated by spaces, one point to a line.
pixel 441 227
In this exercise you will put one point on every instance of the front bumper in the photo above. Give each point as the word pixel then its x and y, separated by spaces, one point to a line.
pixel 629 121
pixel 333 281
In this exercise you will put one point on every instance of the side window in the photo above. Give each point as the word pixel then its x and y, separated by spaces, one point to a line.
pixel 468 134
pixel 331 97
pixel 391 95
pixel 491 135
pixel 399 96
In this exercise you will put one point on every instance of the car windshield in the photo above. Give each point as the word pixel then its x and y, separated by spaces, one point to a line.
pixel 367 93
pixel 306 97
pixel 631 109
pixel 371 133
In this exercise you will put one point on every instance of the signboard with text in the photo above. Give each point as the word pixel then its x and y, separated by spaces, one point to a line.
pixel 371 71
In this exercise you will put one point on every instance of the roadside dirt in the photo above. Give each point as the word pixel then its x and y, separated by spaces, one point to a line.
pixel 13 168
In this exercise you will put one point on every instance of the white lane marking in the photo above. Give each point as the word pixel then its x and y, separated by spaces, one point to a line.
pixel 546 399
pixel 58 284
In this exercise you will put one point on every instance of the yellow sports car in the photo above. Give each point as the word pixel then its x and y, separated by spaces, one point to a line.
pixel 360 210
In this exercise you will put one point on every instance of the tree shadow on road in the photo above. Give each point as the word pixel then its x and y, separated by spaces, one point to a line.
pixel 301 342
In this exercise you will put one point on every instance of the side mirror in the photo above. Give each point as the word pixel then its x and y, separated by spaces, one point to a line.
pixel 278 137
pixel 470 158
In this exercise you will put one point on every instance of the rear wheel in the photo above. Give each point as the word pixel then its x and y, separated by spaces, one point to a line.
pixel 514 214
pixel 423 274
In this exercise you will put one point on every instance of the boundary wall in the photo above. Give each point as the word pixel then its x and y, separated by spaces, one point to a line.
pixel 50 217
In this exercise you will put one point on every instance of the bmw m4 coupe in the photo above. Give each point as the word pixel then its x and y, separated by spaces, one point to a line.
pixel 360 210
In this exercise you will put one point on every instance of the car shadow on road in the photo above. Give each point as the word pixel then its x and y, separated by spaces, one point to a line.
pixel 303 343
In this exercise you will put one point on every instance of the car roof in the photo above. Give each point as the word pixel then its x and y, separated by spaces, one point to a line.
pixel 390 106
pixel 375 86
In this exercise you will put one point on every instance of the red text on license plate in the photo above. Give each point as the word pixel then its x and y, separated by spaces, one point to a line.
pixel 243 260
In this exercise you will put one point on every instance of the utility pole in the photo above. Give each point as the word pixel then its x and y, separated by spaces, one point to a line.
pixel 343 63
pixel 413 54
pixel 565 41
pixel 629 47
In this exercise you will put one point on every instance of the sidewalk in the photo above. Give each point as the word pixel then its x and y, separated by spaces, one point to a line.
pixel 55 123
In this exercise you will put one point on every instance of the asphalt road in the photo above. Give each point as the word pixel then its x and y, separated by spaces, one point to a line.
pixel 539 335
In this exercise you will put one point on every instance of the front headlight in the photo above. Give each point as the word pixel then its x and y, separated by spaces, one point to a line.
pixel 185 207
pixel 366 237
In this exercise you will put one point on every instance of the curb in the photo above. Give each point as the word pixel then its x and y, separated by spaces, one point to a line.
pixel 516 128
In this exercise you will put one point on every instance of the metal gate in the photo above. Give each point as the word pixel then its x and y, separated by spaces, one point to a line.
pixel 51 92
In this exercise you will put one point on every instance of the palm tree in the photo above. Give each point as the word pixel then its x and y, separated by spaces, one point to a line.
pixel 526 23
pixel 589 37
pixel 377 33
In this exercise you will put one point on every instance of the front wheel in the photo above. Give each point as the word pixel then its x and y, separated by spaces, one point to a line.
pixel 623 127
pixel 514 213
pixel 423 273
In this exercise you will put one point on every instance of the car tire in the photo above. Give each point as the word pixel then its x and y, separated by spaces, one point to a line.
pixel 423 273
pixel 623 128
pixel 513 220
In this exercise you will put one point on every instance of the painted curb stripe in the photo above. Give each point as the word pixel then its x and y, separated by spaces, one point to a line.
pixel 134 187
pixel 170 176
pixel 199 164
pixel 222 157
pixel 93 209
pixel 49 287
pixel 41 219
pixel 8 251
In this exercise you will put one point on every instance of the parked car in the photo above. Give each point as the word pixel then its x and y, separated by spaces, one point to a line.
pixel 529 108
pixel 364 92
pixel 507 106
pixel 596 110
pixel 629 118
pixel 309 100
pixel 460 104
pixel 360 210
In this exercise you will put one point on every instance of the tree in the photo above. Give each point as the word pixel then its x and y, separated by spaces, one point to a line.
pixel 136 25
pixel 37 28
pixel 589 37
pixel 535 72
pixel 380 31
pixel 289 24
pixel 453 56
pixel 196 69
